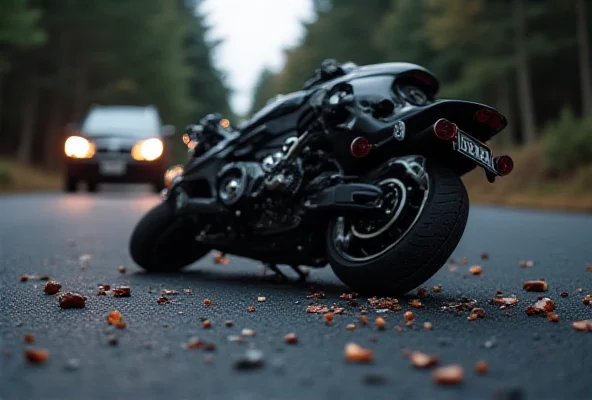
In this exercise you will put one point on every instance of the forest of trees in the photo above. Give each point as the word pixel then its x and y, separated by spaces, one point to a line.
pixel 57 57
pixel 529 59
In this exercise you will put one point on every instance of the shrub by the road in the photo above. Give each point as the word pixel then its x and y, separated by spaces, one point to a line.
pixel 6 178
pixel 568 143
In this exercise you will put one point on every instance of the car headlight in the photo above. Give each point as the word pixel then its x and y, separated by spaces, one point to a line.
pixel 147 150
pixel 79 147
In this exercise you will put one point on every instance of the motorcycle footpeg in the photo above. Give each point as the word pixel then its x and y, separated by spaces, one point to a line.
pixel 349 198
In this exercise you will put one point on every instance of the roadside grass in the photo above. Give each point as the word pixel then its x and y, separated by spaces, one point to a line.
pixel 19 178
pixel 530 186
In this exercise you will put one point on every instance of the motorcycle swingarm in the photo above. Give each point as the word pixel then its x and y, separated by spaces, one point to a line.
pixel 347 198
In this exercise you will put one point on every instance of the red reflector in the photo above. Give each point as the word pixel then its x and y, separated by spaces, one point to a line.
pixel 445 130
pixel 490 117
pixel 360 147
pixel 504 164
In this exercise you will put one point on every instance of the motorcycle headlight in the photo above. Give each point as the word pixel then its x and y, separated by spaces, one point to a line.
pixel 79 147
pixel 147 150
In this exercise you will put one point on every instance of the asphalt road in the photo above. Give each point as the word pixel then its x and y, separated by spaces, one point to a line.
pixel 529 357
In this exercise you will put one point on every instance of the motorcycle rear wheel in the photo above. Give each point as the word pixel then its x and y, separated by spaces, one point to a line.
pixel 162 242
pixel 419 252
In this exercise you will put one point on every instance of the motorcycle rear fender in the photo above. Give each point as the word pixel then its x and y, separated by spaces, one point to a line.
pixel 462 113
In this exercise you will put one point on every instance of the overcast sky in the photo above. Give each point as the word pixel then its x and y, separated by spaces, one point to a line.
pixel 255 32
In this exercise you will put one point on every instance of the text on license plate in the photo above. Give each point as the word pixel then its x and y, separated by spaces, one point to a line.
pixel 112 167
pixel 474 150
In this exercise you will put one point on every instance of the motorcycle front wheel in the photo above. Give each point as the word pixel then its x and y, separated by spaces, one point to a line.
pixel 426 212
pixel 162 242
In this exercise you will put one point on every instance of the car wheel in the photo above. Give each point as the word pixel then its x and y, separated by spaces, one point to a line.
pixel 70 184
pixel 92 186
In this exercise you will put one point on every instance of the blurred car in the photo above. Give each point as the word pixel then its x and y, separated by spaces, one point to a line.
pixel 117 144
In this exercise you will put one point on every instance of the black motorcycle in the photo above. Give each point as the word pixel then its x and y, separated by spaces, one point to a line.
pixel 360 170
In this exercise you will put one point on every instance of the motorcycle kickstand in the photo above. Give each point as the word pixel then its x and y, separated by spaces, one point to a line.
pixel 279 275
pixel 302 275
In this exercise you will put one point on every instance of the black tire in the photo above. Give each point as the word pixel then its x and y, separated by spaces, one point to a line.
pixel 421 252
pixel 70 184
pixel 161 242
pixel 92 186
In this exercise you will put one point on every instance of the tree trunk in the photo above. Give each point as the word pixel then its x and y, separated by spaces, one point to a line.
pixel 504 105
pixel 584 54
pixel 527 114
pixel 51 147
pixel 28 124
pixel 80 90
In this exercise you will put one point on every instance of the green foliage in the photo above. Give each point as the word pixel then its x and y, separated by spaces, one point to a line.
pixel 6 177
pixel 568 143
pixel 130 52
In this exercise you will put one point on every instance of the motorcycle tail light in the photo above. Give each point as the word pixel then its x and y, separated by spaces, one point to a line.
pixel 445 130
pixel 489 117
pixel 504 164
pixel 360 147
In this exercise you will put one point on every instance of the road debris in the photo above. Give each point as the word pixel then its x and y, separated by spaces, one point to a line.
pixel 427 326
pixel 252 358
pixel 552 317
pixel 437 288
pixel 380 323
pixel 484 256
pixel 52 287
pixel 42 277
pixel 328 317
pixel 121 269
pixel 416 303
pixel 169 292
pixel 448 375
pixel 248 332
pixel 538 285
pixel 29 338
pixel 422 360
pixel 350 327
pixel 72 300
pixel 317 309
pixel 476 270
pixel 358 354
pixel 208 302
pixel 476 313
pixel 36 356
pixel 228 323
pixel 505 302
pixel 251 309
pixel 526 264
pixel 291 338
pixel 261 299
pixel 542 306
pixel 207 324
pixel 583 325
pixel 481 367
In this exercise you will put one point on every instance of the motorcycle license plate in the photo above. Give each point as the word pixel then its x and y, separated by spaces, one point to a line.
pixel 112 167
pixel 475 150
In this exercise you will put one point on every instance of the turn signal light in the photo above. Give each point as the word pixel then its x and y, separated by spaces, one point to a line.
pixel 445 130
pixel 504 164
pixel 360 147
pixel 171 174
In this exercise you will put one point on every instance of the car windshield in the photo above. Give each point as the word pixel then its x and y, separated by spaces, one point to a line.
pixel 122 122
